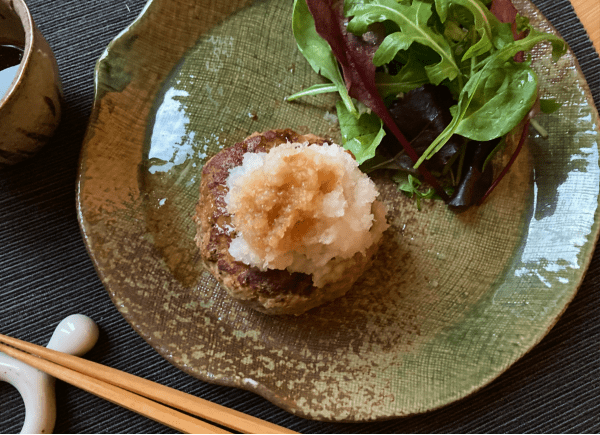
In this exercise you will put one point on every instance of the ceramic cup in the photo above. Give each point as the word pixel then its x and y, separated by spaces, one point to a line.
pixel 30 109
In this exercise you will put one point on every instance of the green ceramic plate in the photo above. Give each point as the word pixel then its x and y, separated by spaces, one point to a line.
pixel 452 300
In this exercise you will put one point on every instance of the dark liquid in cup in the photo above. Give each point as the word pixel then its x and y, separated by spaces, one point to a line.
pixel 10 58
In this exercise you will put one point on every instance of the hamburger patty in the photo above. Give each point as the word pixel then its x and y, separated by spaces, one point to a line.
pixel 272 291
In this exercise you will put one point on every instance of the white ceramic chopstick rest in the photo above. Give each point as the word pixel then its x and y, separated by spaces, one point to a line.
pixel 75 335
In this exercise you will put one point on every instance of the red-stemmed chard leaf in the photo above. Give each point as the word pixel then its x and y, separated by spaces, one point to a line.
pixel 524 134
pixel 506 12
pixel 356 59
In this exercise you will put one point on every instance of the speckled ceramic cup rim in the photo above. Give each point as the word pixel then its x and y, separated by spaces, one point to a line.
pixel 21 10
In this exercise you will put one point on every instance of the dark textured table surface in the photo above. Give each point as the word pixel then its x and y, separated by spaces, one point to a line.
pixel 46 274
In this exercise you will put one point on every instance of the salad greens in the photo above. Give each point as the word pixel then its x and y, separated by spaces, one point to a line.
pixel 411 21
pixel 411 187
pixel 376 51
pixel 361 134
pixel 498 96
pixel 318 53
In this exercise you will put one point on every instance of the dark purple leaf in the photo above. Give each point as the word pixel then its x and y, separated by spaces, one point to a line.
pixel 474 180
pixel 422 114
pixel 504 10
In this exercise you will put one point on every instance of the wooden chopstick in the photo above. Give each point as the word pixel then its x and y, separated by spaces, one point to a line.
pixel 112 383
pixel 141 405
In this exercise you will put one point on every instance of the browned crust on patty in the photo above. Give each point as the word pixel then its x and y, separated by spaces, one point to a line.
pixel 271 291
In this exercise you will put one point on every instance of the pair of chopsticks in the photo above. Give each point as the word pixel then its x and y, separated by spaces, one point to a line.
pixel 137 394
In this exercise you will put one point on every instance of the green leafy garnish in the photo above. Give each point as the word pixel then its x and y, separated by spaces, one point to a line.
pixel 549 105
pixel 361 135
pixel 413 28
pixel 411 76
pixel 480 27
pixel 498 96
pixel 411 186
pixel 474 51
pixel 318 54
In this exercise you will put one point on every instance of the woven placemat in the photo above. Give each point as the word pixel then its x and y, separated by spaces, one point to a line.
pixel 46 275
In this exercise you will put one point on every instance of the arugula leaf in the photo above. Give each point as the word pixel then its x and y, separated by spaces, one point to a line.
pixel 412 20
pixel 503 36
pixel 483 22
pixel 360 135
pixel 411 76
pixel 317 52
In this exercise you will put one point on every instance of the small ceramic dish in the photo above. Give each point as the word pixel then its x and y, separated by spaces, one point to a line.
pixel 30 108
pixel 452 300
